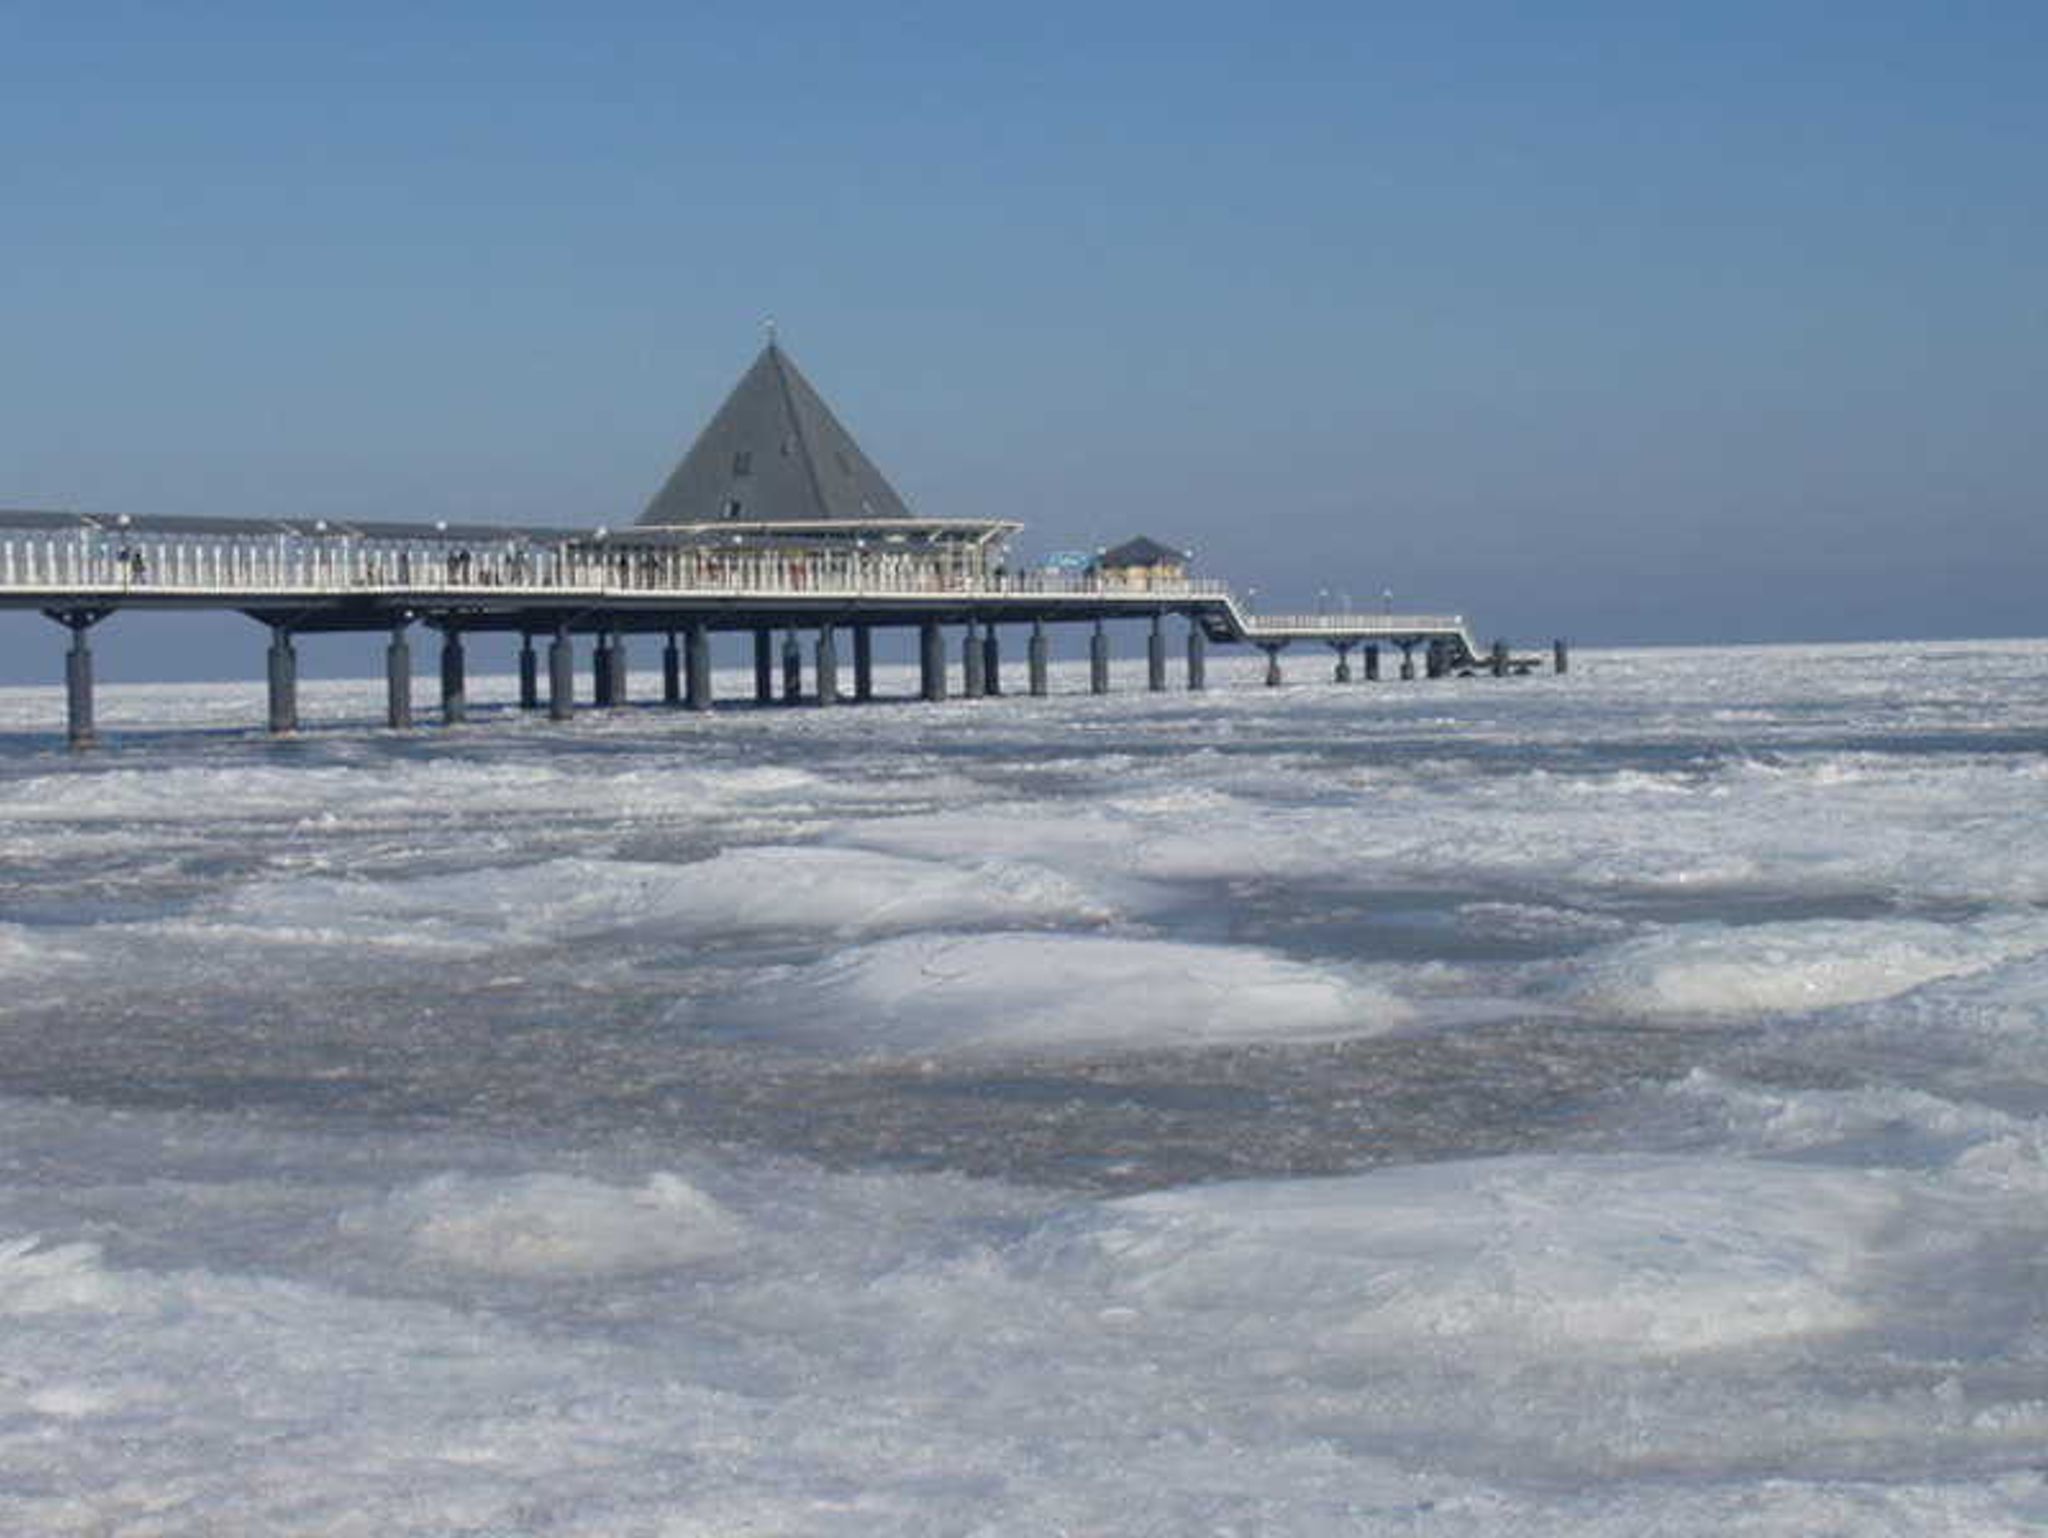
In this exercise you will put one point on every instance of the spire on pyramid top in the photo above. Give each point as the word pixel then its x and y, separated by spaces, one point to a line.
pixel 774 453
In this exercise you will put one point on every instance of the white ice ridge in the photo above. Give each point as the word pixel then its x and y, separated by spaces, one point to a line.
pixel 406 791
pixel 1971 1145
pixel 1515 1256
pixel 25 951
pixel 1047 993
pixel 770 889
pixel 39 1278
pixel 551 1225
pixel 1722 970
pixel 1847 823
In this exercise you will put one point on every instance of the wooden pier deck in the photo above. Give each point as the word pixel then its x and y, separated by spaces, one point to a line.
pixel 303 578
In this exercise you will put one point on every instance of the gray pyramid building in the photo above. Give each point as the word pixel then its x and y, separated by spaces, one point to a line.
pixel 774 453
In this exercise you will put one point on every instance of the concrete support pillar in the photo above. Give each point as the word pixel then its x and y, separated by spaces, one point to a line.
pixel 1342 674
pixel 863 663
pixel 1098 660
pixel 1038 652
pixel 1560 659
pixel 1155 656
pixel 529 673
pixel 616 664
pixel 972 684
pixel 601 671
pixel 398 680
pixel 1372 662
pixel 792 669
pixel 991 662
pixel 1436 660
pixel 78 723
pixel 828 666
pixel 1499 660
pixel 1274 678
pixel 671 671
pixel 697 665
pixel 454 683
pixel 1407 658
pixel 1198 657
pixel 561 676
pixel 931 657
pixel 764 666
pixel 284 681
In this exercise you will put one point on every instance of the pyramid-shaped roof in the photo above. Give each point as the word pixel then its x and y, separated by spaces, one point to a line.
pixel 1142 551
pixel 774 453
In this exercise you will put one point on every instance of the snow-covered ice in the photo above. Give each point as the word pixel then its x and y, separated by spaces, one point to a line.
pixel 950 994
pixel 1599 1105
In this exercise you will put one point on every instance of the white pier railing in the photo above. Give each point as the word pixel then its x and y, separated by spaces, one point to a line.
pixel 1311 625
pixel 105 564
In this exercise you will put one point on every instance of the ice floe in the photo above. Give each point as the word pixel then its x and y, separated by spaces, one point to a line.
pixel 1026 993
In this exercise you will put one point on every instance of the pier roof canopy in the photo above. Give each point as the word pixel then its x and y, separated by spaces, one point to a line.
pixel 775 453
pixel 1143 551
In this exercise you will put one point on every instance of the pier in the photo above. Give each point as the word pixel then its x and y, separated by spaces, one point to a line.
pixel 774 524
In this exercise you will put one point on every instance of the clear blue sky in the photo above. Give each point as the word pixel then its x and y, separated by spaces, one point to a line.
pixel 1631 321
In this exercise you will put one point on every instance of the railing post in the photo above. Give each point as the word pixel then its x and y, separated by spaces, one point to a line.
pixel 601 671
pixel 398 679
pixel 697 664
pixel 863 663
pixel 561 675
pixel 284 681
pixel 792 669
pixel 828 667
pixel 529 673
pixel 78 704
pixel 971 659
pixel 932 661
pixel 764 666
pixel 454 682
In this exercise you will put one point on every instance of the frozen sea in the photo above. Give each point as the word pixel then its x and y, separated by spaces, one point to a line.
pixel 1609 1104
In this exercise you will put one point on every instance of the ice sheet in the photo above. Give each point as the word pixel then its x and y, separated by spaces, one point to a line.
pixel 1503 1260
pixel 568 1130
pixel 1556 1344
pixel 551 1225
pixel 1696 971
pixel 1057 994
pixel 738 892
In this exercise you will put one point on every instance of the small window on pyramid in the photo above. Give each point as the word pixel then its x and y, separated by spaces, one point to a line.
pixel 732 507
pixel 743 463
